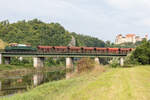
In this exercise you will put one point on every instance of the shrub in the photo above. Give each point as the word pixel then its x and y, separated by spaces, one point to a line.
pixel 85 64
pixel 141 54
pixel 114 62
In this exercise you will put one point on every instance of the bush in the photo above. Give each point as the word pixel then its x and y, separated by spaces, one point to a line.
pixel 130 60
pixel 54 62
pixel 85 64
pixel 114 62
pixel 141 54
pixel 17 62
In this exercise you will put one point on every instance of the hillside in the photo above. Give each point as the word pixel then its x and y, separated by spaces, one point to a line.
pixel 36 32
pixel 2 44
pixel 115 84
pixel 84 40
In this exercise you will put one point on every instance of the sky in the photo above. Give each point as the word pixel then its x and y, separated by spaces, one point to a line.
pixel 103 19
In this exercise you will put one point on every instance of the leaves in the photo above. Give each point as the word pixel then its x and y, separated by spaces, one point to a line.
pixel 142 53
pixel 34 32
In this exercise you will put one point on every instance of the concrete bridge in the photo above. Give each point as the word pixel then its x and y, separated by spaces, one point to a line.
pixel 38 58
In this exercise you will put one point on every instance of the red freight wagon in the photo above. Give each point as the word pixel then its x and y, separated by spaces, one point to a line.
pixel 60 48
pixel 74 49
pixel 88 49
pixel 101 50
pixel 125 50
pixel 45 48
pixel 113 50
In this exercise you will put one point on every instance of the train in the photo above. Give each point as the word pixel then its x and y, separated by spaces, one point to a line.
pixel 13 47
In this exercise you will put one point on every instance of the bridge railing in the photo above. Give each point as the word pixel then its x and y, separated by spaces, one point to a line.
pixel 59 52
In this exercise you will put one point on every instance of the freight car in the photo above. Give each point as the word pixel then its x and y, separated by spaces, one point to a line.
pixel 45 48
pixel 72 49
pixel 125 50
pixel 14 47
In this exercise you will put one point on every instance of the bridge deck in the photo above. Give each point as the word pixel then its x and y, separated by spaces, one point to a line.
pixel 56 54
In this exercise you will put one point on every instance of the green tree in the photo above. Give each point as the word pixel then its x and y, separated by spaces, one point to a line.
pixel 142 53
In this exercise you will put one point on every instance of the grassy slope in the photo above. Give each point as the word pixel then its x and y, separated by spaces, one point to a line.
pixel 116 84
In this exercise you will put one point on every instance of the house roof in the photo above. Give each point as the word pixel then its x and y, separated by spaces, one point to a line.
pixel 130 35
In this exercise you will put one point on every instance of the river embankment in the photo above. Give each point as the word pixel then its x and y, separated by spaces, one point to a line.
pixel 8 70
pixel 115 84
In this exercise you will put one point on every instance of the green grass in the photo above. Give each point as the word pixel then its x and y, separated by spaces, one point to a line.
pixel 115 84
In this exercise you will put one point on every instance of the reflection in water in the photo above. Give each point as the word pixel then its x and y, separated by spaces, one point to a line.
pixel 19 84
pixel 0 85
pixel 38 79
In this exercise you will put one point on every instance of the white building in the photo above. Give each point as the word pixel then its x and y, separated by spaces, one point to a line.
pixel 132 38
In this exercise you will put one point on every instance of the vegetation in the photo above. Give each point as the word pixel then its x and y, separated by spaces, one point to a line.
pixel 12 67
pixel 50 62
pixel 28 62
pixel 84 40
pixel 114 62
pixel 85 64
pixel 2 44
pixel 141 54
pixel 36 32
pixel 115 84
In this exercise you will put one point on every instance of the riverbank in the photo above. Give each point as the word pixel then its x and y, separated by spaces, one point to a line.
pixel 115 84
pixel 8 70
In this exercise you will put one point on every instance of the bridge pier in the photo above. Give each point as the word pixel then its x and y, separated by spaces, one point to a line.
pixel 1 60
pixel 0 85
pixel 21 58
pixel 7 60
pixel 96 59
pixel 38 79
pixel 38 62
pixel 121 61
pixel 69 67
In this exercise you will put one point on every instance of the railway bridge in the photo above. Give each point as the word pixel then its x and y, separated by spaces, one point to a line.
pixel 38 57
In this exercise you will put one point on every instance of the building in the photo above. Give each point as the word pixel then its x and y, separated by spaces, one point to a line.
pixel 129 38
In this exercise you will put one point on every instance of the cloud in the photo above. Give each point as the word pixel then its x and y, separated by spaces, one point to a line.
pixel 100 18
pixel 129 4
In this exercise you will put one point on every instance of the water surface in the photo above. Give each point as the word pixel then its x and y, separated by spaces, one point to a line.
pixel 10 85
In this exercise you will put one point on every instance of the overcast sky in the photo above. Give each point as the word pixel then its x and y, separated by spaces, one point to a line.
pixel 100 18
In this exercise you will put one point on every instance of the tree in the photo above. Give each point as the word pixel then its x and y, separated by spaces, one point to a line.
pixel 142 53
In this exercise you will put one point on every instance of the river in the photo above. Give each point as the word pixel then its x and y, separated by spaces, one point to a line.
pixel 10 85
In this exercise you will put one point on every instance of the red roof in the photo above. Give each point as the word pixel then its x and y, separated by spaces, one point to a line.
pixel 130 35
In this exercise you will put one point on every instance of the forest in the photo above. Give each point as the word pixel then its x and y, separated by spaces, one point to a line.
pixel 36 32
